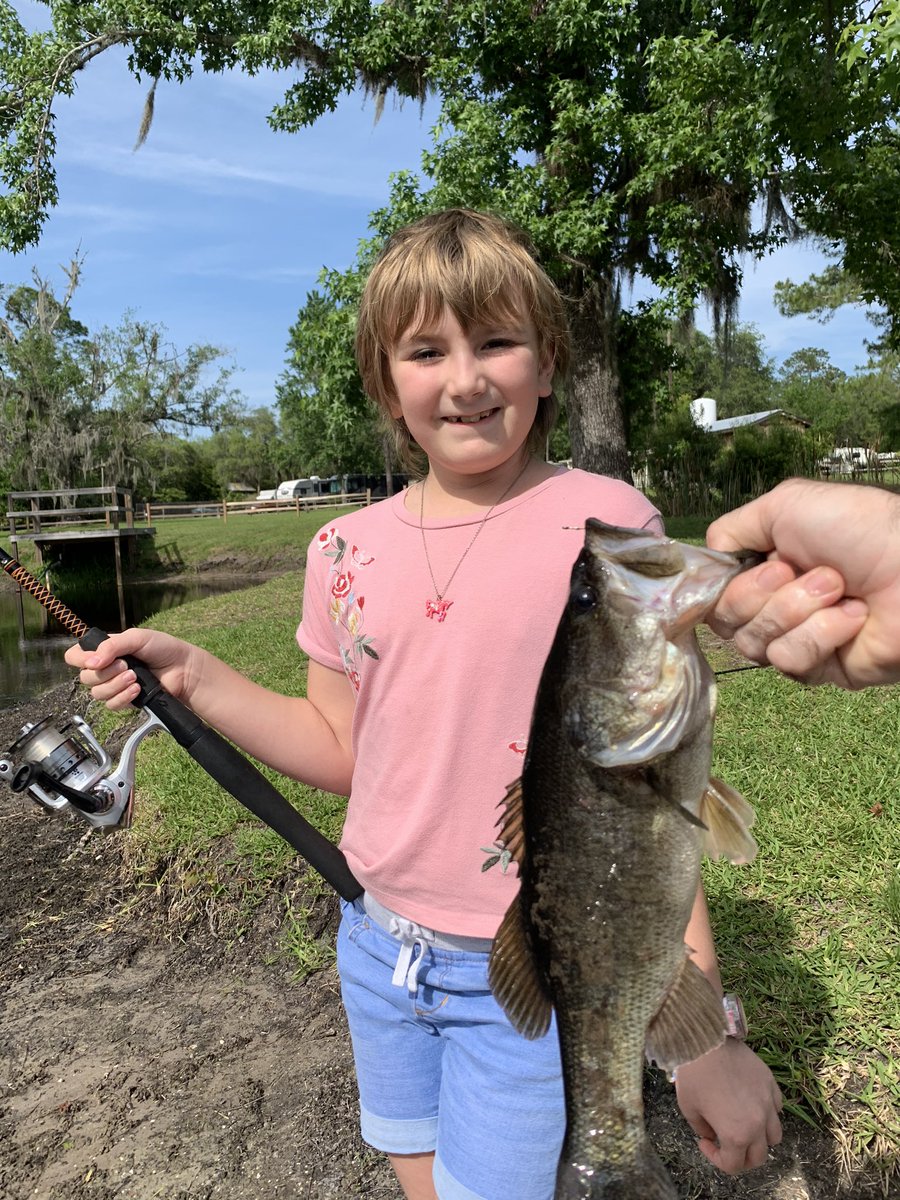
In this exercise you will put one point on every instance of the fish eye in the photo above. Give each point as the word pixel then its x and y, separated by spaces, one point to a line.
pixel 584 599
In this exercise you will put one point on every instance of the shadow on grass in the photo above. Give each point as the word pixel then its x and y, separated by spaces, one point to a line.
pixel 794 1028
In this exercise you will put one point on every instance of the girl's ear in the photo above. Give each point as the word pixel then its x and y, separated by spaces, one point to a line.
pixel 545 375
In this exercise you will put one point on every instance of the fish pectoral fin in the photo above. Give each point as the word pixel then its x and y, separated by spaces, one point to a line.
pixel 690 1021
pixel 514 978
pixel 727 817
pixel 511 826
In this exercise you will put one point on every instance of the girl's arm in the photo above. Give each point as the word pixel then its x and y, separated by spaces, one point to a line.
pixel 728 1096
pixel 307 739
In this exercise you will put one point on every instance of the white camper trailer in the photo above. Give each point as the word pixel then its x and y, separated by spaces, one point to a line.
pixel 294 489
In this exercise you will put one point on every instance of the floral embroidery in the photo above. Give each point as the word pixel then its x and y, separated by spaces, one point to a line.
pixel 345 604
pixel 498 854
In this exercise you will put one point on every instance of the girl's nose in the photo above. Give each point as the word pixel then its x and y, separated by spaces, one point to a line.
pixel 466 377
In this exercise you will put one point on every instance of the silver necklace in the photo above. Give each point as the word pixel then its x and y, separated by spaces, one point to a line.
pixel 437 608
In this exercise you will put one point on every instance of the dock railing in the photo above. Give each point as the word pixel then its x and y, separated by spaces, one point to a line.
pixel 53 511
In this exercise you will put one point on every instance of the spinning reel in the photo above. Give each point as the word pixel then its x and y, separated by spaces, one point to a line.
pixel 61 765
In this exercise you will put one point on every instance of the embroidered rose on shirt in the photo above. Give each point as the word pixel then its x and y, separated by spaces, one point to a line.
pixel 342 586
pixel 346 603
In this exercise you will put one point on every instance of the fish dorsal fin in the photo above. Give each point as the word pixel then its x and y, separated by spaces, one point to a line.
pixel 689 1022
pixel 513 974
pixel 727 817
pixel 511 826
pixel 514 978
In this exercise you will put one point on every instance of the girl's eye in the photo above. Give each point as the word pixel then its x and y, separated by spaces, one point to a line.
pixel 424 355
pixel 498 343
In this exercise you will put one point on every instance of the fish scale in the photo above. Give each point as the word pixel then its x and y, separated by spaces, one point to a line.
pixel 608 825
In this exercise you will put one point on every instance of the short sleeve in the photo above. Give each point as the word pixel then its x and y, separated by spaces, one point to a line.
pixel 316 633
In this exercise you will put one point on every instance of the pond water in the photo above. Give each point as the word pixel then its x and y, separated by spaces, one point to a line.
pixel 31 664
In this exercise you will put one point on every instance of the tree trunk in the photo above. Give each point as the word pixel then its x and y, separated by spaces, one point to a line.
pixel 594 387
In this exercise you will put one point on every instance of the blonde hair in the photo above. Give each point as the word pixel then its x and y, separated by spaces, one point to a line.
pixel 483 270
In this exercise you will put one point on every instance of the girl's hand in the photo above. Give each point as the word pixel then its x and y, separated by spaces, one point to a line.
pixel 730 1099
pixel 825 608
pixel 109 678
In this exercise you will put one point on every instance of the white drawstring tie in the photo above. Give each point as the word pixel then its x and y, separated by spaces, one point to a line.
pixel 413 938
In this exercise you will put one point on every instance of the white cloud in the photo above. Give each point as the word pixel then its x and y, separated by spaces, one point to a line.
pixel 179 169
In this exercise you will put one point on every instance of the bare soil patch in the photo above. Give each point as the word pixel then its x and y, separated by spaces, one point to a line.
pixel 135 1066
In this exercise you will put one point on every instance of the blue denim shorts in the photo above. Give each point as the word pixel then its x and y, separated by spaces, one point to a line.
pixel 440 1068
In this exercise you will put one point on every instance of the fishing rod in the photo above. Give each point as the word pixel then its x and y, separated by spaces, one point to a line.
pixel 65 764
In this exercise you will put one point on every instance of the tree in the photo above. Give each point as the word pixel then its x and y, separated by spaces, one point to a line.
pixel 821 295
pixel 76 408
pixel 732 367
pixel 330 427
pixel 631 139
pixel 46 363
pixel 173 470
pixel 844 410
pixel 250 449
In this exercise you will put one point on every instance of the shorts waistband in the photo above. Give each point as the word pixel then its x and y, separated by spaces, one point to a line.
pixel 403 929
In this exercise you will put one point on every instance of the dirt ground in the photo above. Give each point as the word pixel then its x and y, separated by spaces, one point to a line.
pixel 134 1066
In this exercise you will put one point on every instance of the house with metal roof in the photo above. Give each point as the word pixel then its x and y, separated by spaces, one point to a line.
pixel 703 410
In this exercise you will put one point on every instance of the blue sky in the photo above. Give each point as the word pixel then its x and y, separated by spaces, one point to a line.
pixel 217 227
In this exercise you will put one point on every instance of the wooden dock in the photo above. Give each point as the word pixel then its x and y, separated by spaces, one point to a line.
pixel 55 519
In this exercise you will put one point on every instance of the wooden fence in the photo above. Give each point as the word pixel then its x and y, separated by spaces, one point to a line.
pixel 227 508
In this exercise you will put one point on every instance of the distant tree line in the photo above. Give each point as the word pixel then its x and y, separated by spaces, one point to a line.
pixel 123 405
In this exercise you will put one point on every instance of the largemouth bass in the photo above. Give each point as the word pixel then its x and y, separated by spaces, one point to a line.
pixel 608 824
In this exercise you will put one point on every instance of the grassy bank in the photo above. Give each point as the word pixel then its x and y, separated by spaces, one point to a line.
pixel 808 934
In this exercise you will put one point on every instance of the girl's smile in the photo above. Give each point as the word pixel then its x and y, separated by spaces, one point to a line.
pixel 473 420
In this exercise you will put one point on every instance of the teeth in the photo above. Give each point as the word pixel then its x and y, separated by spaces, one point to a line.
pixel 471 420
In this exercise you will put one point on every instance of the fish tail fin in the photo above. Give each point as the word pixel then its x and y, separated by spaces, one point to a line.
pixel 644 1178
pixel 727 817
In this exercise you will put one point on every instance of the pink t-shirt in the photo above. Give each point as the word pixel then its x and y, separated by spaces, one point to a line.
pixel 444 706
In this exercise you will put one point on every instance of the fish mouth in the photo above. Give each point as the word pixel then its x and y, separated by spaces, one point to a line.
pixel 473 419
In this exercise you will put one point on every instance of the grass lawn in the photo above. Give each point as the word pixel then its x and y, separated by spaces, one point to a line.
pixel 809 934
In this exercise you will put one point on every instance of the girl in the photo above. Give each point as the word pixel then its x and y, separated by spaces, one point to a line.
pixel 427 619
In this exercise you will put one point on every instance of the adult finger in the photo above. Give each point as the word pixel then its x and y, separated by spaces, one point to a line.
pixel 787 607
pixel 746 528
pixel 809 651
pixel 747 594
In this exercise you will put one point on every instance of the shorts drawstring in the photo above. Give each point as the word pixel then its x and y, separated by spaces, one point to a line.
pixel 414 941
pixel 412 938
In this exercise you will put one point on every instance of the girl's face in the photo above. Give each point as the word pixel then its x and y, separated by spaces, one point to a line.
pixel 469 399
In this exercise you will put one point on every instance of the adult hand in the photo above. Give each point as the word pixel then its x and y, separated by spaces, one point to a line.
pixel 730 1099
pixel 825 608
pixel 111 679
